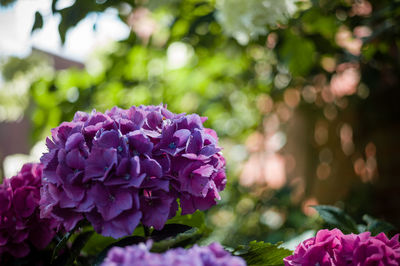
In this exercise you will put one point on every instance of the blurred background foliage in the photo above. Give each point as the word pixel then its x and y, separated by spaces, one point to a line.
pixel 304 96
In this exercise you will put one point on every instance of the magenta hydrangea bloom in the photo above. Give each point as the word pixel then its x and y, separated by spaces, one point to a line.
pixel 212 255
pixel 124 167
pixel 20 222
pixel 335 248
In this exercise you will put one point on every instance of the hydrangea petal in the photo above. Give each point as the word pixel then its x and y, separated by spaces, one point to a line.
pixel 20 213
pixel 212 255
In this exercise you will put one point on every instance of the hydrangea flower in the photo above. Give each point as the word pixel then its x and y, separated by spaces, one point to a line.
pixel 20 222
pixel 214 255
pixel 245 20
pixel 335 248
pixel 128 166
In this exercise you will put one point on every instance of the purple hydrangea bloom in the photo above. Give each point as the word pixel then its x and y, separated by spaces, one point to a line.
pixel 212 255
pixel 124 167
pixel 335 248
pixel 20 222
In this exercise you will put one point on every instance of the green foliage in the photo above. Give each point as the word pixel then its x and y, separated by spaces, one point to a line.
pixel 316 22
pixel 196 219
pixel 298 53
pixel 15 66
pixel 60 245
pixel 169 231
pixel 97 243
pixel 180 231
pixel 211 88
pixel 72 15
pixel 260 253
pixel 69 255
pixel 171 236
pixel 127 241
pixel 376 226
pixel 38 24
pixel 337 218
pixel 183 239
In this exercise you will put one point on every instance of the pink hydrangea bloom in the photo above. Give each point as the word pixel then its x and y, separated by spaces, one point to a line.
pixel 378 250
pixel 124 167
pixel 212 255
pixel 335 248
pixel 20 222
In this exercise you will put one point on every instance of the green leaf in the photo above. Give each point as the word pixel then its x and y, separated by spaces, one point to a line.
pixel 184 239
pixel 376 226
pixel 60 245
pixel 196 219
pixel 169 231
pixel 38 24
pixel 337 218
pixel 298 53
pixel 127 241
pixel 70 17
pixel 171 236
pixel 97 243
pixel 314 21
pixel 69 256
pixel 77 246
pixel 260 253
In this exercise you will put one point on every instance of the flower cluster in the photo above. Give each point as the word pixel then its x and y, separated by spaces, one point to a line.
pixel 214 254
pixel 128 166
pixel 245 20
pixel 20 222
pixel 335 248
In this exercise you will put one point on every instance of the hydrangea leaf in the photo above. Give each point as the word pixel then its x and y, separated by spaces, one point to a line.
pixel 97 243
pixel 169 231
pixel 184 239
pixel 337 218
pixel 127 241
pixel 172 236
pixel 260 253
pixel 196 219
pixel 376 226
pixel 68 257
pixel 61 244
